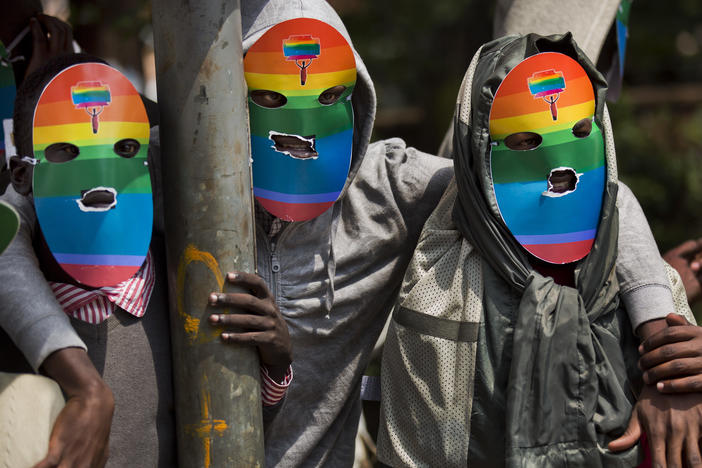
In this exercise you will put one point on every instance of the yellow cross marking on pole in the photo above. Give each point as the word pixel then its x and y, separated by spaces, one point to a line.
pixel 208 425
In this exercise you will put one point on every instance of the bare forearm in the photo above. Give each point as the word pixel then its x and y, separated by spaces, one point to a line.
pixel 81 432
pixel 72 369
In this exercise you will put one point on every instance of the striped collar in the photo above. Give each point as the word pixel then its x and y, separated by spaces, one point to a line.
pixel 96 305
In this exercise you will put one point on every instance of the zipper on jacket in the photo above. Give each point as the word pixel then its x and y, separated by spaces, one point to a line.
pixel 275 269
pixel 273 261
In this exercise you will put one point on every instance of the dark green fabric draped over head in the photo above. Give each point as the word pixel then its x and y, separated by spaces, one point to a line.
pixel 567 394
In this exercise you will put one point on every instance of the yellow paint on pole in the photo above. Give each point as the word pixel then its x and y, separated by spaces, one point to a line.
pixel 209 216
pixel 190 255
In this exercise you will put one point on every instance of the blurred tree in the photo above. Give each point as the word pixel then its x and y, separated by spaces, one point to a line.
pixel 416 53
pixel 113 31
pixel 659 153
pixel 658 121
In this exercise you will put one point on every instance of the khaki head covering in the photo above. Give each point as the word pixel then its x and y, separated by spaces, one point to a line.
pixel 565 398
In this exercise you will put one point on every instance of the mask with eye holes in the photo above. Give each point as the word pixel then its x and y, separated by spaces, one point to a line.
pixel 92 191
pixel 300 75
pixel 547 157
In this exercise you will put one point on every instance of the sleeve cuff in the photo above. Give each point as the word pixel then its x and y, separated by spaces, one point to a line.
pixel 271 391
pixel 47 336
pixel 648 302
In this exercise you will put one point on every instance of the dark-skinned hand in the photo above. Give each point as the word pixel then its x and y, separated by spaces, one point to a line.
pixel 672 423
pixel 685 258
pixel 51 37
pixel 672 358
pixel 257 321
pixel 79 438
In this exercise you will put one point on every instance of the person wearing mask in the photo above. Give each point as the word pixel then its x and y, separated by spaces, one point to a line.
pixel 509 344
pixel 333 242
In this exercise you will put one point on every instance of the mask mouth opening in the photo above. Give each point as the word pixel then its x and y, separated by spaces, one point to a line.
pixel 295 146
pixel 97 199
pixel 561 181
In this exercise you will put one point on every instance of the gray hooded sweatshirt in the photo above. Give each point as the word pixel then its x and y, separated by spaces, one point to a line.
pixel 334 277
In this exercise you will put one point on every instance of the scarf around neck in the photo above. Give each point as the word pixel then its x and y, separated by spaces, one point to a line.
pixel 567 393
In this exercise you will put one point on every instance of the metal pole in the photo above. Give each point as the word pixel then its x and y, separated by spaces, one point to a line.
pixel 209 225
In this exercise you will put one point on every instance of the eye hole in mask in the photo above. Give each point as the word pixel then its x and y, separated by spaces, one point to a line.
pixel 61 152
pixel 523 141
pixel 331 95
pixel 268 99
pixel 126 148
pixel 582 128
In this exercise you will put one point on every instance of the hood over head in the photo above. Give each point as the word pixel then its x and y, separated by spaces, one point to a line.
pixel 259 16
pixel 550 316
pixel 472 143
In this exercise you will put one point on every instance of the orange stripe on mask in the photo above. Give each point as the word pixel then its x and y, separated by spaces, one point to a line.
pixel 331 59
pixel 516 81
pixel 577 91
pixel 121 109
pixel 60 89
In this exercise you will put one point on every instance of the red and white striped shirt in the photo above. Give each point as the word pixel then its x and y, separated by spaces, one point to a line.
pixel 96 305
pixel 133 295
pixel 271 391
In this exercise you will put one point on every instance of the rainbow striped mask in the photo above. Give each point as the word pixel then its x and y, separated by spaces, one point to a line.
pixel 300 76
pixel 547 157
pixel 92 190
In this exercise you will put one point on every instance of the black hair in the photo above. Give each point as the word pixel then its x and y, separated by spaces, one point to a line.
pixel 29 92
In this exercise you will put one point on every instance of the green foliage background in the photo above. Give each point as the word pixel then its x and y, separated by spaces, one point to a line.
pixel 659 144
pixel 417 53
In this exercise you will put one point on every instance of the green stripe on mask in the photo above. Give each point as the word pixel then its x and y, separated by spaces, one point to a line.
pixel 321 121
pixel 69 178
pixel 550 139
pixel 526 166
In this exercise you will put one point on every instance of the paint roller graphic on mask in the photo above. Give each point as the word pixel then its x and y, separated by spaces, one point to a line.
pixel 302 49
pixel 548 85
pixel 92 96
